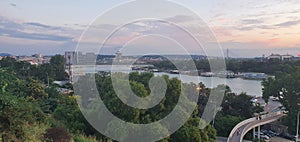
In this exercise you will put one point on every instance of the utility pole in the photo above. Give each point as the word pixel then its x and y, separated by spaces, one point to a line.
pixel 227 53
pixel 254 133
pixel 70 73
pixel 258 131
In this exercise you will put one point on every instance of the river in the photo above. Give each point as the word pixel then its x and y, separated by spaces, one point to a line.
pixel 237 85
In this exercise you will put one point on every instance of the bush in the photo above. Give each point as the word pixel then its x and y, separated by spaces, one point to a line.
pixel 83 138
pixel 57 135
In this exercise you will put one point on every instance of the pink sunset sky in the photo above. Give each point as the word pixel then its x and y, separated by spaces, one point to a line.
pixel 247 28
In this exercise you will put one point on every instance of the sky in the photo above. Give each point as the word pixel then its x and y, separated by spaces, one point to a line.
pixel 247 28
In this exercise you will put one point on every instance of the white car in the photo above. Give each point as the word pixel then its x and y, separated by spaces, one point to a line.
pixel 262 136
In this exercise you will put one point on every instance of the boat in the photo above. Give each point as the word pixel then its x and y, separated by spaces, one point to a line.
pixel 254 76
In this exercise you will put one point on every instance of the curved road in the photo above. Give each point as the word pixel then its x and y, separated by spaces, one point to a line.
pixel 238 134
pixel 240 130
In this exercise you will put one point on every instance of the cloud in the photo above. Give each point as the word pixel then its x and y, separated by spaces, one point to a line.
pixel 223 31
pixel 288 23
pixel 252 27
pixel 13 4
pixel 265 27
pixel 252 24
pixel 180 18
pixel 10 28
pixel 8 24
pixel 34 36
pixel 252 21
pixel 42 25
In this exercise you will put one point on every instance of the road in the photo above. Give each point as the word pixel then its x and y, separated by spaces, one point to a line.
pixel 241 131
pixel 277 139
pixel 223 139
pixel 245 126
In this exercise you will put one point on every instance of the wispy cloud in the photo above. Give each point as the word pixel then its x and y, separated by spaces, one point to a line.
pixel 252 21
pixel 10 28
pixel 33 36
pixel 288 23
pixel 180 18
pixel 253 27
pixel 42 25
pixel 13 4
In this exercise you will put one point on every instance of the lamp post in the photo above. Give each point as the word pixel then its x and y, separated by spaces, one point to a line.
pixel 297 132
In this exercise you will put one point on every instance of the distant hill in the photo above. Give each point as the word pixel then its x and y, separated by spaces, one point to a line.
pixel 4 54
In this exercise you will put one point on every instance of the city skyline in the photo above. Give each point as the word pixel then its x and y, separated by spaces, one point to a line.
pixel 247 29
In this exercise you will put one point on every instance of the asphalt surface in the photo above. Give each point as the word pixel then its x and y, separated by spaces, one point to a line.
pixel 278 139
pixel 267 108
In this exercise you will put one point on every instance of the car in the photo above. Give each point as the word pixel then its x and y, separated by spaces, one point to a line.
pixel 266 132
pixel 275 98
pixel 269 133
pixel 254 100
pixel 272 133
pixel 265 137
pixel 262 136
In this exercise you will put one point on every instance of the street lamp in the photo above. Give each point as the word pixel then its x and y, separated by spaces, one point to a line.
pixel 297 132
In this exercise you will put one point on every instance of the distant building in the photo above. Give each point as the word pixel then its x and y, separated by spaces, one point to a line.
pixel 118 57
pixel 29 59
pixel 287 57
pixel 88 58
pixel 37 59
pixel 46 60
pixel 274 57
pixel 296 58
pixel 37 55
pixel 279 57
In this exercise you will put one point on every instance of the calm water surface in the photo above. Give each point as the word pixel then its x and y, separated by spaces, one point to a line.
pixel 237 85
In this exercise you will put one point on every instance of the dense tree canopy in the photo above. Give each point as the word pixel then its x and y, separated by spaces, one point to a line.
pixel 30 110
pixel 58 64
pixel 285 86
pixel 28 105
pixel 234 108
pixel 139 84
pixel 236 65
pixel 55 70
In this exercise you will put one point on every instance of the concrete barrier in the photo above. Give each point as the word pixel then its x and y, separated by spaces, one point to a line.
pixel 238 126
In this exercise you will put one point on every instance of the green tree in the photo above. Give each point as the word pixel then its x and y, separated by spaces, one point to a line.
pixel 15 114
pixel 58 64
pixel 68 112
pixel 285 86
pixel 138 82
pixel 225 123
pixel 239 105
pixel 36 90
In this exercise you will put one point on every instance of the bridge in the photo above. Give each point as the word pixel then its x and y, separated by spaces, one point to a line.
pixel 240 130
